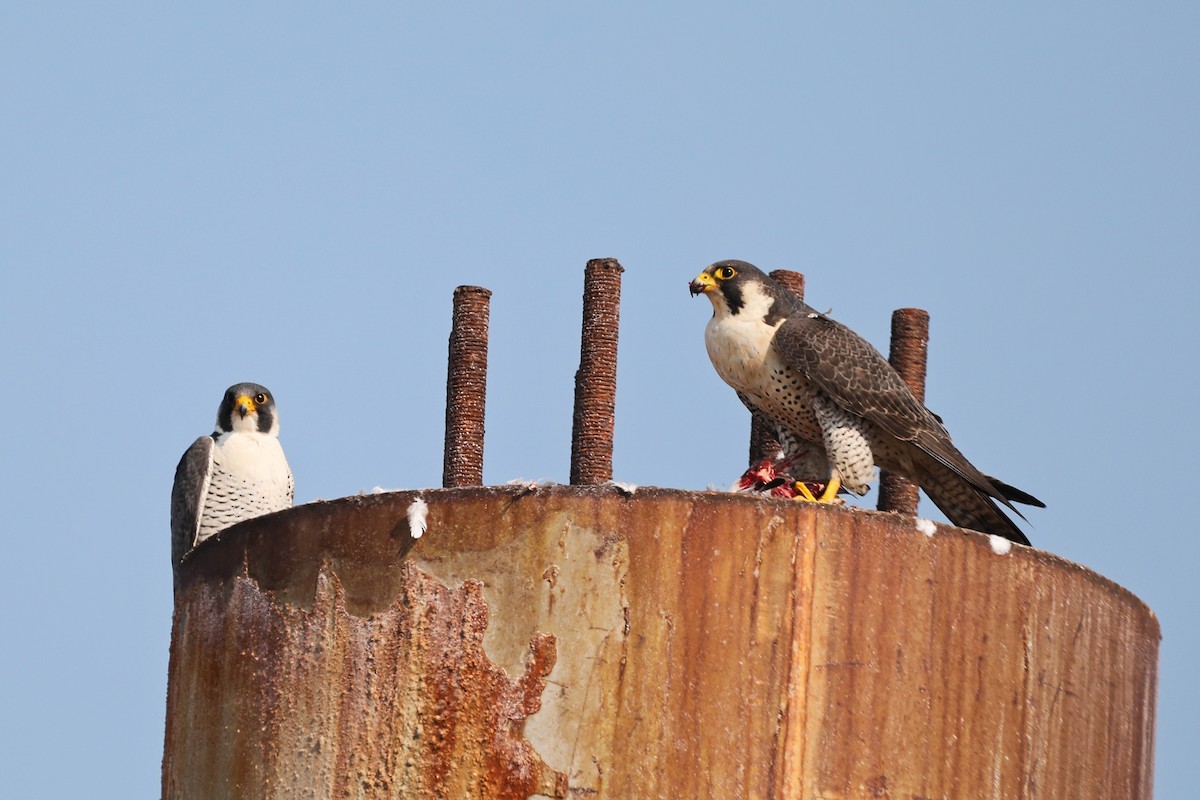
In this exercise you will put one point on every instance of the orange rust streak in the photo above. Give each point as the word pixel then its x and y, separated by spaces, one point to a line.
pixel 692 645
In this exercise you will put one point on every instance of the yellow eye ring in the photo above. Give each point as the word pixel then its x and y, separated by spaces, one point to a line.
pixel 259 399
pixel 725 273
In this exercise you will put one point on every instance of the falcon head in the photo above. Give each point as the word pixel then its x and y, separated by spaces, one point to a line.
pixel 248 408
pixel 731 284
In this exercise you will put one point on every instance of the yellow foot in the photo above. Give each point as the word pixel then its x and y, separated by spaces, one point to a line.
pixel 829 495
pixel 803 492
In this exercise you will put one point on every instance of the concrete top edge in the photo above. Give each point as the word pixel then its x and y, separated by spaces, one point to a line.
pixel 314 532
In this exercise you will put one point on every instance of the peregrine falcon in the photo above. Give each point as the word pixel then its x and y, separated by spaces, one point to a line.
pixel 836 403
pixel 236 473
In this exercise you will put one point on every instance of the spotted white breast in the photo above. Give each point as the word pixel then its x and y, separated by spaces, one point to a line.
pixel 249 477
pixel 739 346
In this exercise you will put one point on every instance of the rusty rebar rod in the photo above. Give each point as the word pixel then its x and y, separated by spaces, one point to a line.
pixel 466 388
pixel 596 380
pixel 909 351
pixel 792 281
pixel 762 438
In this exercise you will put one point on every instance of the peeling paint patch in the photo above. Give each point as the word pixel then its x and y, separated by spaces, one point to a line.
pixel 318 701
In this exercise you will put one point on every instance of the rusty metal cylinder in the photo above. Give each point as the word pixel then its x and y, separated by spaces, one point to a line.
pixel 762 437
pixel 596 380
pixel 580 642
pixel 466 388
pixel 908 356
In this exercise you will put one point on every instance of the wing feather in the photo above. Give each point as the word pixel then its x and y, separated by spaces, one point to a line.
pixel 847 369
pixel 187 496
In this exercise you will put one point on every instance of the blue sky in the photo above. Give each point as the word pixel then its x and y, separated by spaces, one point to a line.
pixel 195 197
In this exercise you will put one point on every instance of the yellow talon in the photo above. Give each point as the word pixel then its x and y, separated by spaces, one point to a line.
pixel 831 491
pixel 829 495
pixel 803 492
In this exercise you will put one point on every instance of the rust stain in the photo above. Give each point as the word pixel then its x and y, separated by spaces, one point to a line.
pixel 697 645
pixel 319 702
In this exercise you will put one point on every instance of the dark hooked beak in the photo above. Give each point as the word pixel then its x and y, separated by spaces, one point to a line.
pixel 702 284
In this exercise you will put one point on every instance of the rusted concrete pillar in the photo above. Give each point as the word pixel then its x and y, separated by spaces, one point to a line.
pixel 466 387
pixel 578 642
pixel 908 355
pixel 596 380
pixel 762 436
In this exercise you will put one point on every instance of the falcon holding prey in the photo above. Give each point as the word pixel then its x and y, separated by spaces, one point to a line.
pixel 837 406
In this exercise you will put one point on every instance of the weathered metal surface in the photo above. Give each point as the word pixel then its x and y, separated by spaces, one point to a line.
pixel 330 666
pixel 908 355
pixel 466 387
pixel 708 645
pixel 596 379
pixel 762 435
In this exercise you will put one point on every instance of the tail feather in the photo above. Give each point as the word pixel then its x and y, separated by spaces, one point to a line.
pixel 968 507
pixel 1014 494
pixel 963 493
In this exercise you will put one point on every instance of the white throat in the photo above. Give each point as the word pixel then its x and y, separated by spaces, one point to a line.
pixel 738 344
pixel 252 454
